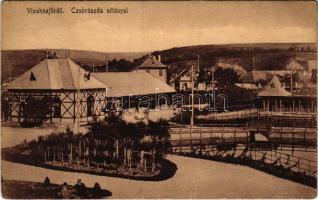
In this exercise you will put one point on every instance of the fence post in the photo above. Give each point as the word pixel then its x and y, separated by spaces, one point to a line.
pixel 211 135
pixel 145 165
pixel 235 135
pixel 298 165
pixel 308 167
pixel 222 133
pixel 200 135
pixel 180 141
pixel 280 133
pixel 305 143
pixel 293 139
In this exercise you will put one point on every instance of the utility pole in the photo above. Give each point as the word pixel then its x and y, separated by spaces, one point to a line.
pixel 198 63
pixel 253 63
pixel 9 72
pixel 192 106
pixel 192 95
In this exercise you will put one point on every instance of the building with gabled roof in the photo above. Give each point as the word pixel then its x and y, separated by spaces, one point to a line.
pixel 155 67
pixel 125 84
pixel 258 79
pixel 135 92
pixel 55 91
pixel 183 81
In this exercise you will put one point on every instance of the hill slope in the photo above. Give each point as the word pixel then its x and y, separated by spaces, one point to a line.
pixel 16 62
pixel 267 56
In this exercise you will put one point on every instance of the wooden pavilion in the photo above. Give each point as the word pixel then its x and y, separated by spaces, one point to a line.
pixel 274 98
pixel 55 91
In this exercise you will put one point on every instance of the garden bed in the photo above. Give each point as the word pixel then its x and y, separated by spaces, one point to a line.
pixel 164 170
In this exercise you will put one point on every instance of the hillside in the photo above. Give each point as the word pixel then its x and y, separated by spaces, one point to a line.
pixel 266 56
pixel 17 62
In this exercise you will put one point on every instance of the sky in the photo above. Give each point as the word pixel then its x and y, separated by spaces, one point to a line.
pixel 151 26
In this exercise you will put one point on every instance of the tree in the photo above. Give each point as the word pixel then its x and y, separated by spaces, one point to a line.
pixel 226 77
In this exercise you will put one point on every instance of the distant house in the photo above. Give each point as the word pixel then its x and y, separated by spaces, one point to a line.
pixel 155 67
pixel 183 81
pixel 258 79
pixel 55 91
pixel 254 80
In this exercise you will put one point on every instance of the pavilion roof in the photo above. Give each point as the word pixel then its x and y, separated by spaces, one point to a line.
pixel 55 74
pixel 274 88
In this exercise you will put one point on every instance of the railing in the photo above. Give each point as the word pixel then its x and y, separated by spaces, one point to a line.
pixel 309 122
pixel 239 114
pixel 291 162
pixel 294 137
pixel 299 139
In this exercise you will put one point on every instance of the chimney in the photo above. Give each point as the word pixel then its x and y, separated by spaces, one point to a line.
pixel 159 58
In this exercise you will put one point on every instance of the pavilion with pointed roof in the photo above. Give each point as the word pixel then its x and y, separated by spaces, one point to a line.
pixel 55 91
pixel 275 98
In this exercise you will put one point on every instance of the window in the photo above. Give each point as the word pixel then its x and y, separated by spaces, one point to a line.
pixel 90 105
pixel 160 72
pixel 32 77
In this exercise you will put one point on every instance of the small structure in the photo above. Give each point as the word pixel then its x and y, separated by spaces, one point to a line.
pixel 155 67
pixel 183 82
pixel 55 91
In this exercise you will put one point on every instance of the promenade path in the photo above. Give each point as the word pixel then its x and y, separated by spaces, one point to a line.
pixel 195 178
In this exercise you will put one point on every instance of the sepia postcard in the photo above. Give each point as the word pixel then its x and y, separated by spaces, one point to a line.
pixel 158 99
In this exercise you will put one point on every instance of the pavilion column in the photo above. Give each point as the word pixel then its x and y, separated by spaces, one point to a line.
pixel 264 104
pixel 268 101
pixel 293 105
pixel 298 105
pixel 280 105
pixel 275 102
